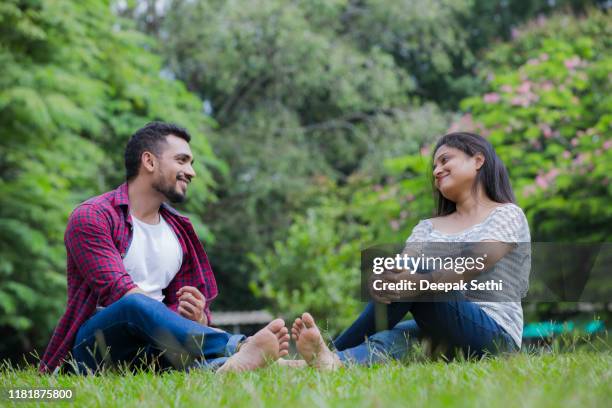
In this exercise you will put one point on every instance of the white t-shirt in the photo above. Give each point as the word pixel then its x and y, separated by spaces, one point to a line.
pixel 154 256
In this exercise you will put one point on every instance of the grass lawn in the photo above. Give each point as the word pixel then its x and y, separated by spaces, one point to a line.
pixel 581 379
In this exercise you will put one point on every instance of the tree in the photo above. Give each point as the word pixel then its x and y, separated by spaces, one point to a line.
pixel 546 110
pixel 76 83
pixel 296 100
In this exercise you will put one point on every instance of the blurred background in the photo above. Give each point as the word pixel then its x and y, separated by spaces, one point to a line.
pixel 313 122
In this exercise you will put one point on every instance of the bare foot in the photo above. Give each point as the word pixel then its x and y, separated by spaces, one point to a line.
pixel 261 349
pixel 291 363
pixel 311 346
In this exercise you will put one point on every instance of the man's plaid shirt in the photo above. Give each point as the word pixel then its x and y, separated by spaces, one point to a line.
pixel 97 238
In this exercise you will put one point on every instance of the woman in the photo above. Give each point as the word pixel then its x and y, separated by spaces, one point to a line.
pixel 475 203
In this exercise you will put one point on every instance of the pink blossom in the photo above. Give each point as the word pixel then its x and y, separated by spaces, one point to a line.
pixel 377 187
pixel 519 101
pixel 425 151
pixel 403 214
pixel 395 225
pixel 544 57
pixel 607 144
pixel 567 154
pixel 533 61
pixel 547 86
pixel 529 190
pixel 572 63
pixel 491 97
pixel 579 159
pixel 541 181
pixel 515 33
pixel 536 144
pixel 465 123
pixel 484 132
pixel 546 130
pixel 506 88
pixel 552 175
pixel 544 180
pixel 574 142
pixel 531 97
pixel 525 87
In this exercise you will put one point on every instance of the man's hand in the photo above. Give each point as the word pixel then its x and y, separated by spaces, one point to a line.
pixel 191 304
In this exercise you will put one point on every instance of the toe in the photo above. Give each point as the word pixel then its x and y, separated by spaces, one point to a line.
pixel 275 325
pixel 308 320
pixel 283 331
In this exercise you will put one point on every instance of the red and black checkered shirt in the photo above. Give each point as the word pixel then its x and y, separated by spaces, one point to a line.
pixel 97 237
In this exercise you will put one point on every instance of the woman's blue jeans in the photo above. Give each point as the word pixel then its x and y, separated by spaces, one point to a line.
pixel 457 323
pixel 137 329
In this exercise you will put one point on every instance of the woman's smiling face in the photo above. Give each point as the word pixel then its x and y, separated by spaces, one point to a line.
pixel 455 171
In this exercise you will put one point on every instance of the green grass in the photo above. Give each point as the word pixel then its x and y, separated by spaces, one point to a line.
pixel 581 379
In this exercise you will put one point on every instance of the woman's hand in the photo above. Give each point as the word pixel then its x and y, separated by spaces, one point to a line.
pixel 395 285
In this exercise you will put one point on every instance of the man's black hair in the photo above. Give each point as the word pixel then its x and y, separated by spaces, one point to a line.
pixel 149 138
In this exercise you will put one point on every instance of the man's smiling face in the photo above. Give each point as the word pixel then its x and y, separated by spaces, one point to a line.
pixel 175 170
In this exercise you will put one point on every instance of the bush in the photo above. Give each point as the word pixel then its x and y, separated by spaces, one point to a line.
pixel 76 83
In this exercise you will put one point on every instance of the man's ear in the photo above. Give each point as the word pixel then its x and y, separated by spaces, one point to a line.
pixel 479 159
pixel 148 161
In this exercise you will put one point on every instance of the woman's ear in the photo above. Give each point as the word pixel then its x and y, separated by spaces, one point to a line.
pixel 479 160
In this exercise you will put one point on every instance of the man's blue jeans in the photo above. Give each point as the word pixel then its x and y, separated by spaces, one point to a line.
pixel 137 328
pixel 457 323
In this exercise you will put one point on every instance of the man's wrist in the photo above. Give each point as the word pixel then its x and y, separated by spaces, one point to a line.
pixel 203 320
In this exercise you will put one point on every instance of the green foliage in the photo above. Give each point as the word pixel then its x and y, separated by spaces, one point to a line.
pixel 322 109
pixel 298 98
pixel 76 83
pixel 317 267
pixel 309 89
pixel 547 113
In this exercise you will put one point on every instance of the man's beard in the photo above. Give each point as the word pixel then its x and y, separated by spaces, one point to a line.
pixel 169 191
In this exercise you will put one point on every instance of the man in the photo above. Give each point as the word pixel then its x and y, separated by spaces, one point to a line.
pixel 139 282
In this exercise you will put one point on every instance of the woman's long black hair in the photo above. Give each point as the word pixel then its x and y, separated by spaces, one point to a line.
pixel 492 175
